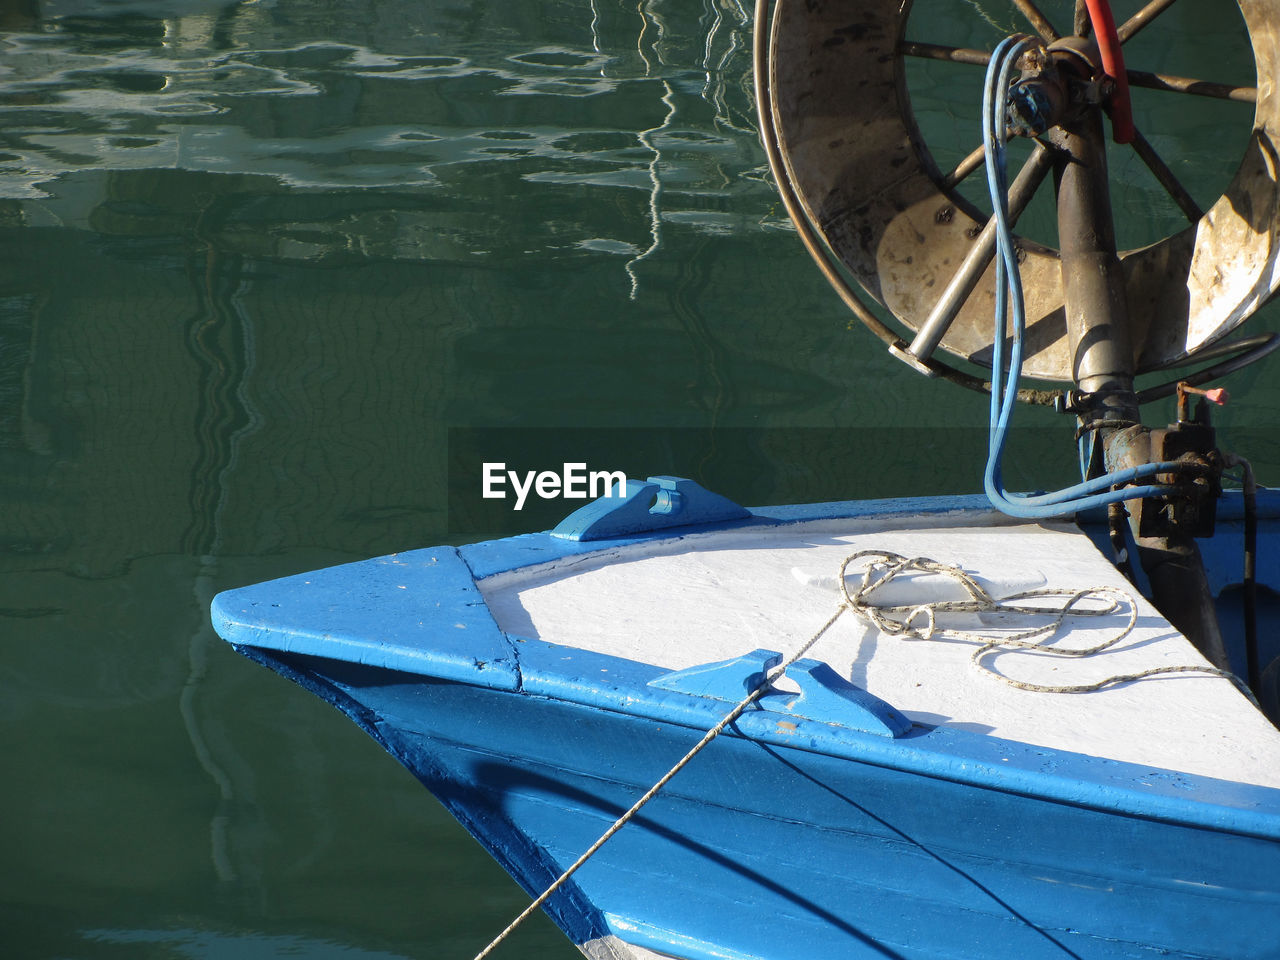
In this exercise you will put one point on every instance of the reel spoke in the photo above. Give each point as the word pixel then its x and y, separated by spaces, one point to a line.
pixel 1200 88
pixel 965 280
pixel 1166 177
pixel 1082 24
pixel 1143 17
pixel 937 51
pixel 965 167
pixel 1137 78
pixel 1037 20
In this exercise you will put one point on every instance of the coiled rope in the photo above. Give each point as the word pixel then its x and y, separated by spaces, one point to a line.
pixel 919 621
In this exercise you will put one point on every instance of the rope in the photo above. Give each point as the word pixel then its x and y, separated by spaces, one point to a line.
pixel 770 678
pixel 884 567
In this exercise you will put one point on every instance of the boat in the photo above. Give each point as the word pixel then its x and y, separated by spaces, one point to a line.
pixel 993 725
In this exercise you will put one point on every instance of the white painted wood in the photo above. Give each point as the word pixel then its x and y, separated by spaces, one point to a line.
pixel 612 948
pixel 712 596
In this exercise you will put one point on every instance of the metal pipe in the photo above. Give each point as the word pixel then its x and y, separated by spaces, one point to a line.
pixel 937 51
pixel 1172 185
pixel 1200 88
pixel 1103 367
pixel 1137 78
pixel 965 167
pixel 1083 26
pixel 976 261
pixel 1037 20
pixel 1092 279
pixel 1143 17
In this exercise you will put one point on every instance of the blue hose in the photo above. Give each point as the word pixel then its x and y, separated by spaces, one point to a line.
pixel 1010 311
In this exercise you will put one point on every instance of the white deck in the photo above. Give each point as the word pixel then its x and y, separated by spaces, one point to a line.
pixel 714 596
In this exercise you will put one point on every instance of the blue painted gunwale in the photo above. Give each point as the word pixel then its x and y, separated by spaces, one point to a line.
pixel 305 626
pixel 371 612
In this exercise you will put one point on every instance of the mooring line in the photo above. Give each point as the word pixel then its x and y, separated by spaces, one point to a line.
pixel 770 678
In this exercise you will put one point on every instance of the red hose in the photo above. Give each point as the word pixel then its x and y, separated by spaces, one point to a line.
pixel 1104 30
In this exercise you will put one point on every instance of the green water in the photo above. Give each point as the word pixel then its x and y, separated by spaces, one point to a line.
pixel 275 274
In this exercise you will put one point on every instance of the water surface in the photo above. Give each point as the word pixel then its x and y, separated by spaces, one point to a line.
pixel 263 261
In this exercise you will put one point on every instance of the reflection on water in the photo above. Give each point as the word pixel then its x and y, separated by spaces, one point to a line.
pixel 260 258
pixel 400 101
pixel 203 945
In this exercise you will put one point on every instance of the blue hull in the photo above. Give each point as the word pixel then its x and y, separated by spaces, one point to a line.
pixel 794 837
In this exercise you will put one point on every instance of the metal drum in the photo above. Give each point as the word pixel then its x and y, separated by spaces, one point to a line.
pixel 854 156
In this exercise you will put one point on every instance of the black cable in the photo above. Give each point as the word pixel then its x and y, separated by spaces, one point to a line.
pixel 1249 350
pixel 1249 581
pixel 1253 668
pixel 1094 425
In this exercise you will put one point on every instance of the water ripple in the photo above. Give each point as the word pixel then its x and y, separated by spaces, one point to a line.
pixel 209 85
pixel 88 101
